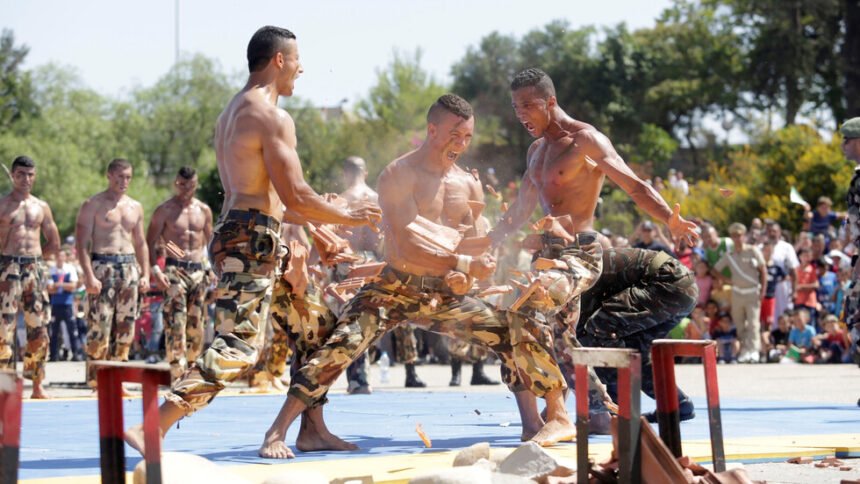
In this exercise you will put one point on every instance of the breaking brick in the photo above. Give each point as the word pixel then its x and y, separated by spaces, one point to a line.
pixel 424 438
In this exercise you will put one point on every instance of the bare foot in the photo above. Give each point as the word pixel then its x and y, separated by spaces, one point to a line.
pixel 310 441
pixel 529 433
pixel 555 431
pixel 39 392
pixel 274 447
pixel 134 437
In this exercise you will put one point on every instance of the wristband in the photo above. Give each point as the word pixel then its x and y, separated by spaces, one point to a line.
pixel 463 262
pixel 155 269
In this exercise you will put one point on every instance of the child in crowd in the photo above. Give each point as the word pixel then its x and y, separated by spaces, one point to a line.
pixel 801 335
pixel 775 342
pixel 833 344
pixel 828 283
pixel 806 287
pixel 726 337
pixel 704 281
pixel 712 312
pixel 844 277
pixel 775 274
pixel 699 327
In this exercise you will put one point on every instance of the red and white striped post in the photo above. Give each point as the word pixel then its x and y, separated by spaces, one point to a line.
pixel 663 353
pixel 629 365
pixel 11 391
pixel 111 375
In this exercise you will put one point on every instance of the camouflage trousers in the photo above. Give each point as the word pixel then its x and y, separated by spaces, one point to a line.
pixel 584 259
pixel 640 296
pixel 405 344
pixel 184 311
pixel 465 351
pixel 427 303
pixel 244 252
pixel 22 287
pixel 112 312
pixel 276 350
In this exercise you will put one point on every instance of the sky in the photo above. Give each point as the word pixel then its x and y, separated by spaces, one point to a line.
pixel 116 45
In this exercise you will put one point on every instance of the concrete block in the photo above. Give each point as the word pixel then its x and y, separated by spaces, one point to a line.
pixel 181 468
pixel 472 454
pixel 529 460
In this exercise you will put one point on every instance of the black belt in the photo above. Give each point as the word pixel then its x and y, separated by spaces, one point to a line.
pixel 252 217
pixel 427 283
pixel 113 258
pixel 579 239
pixel 21 259
pixel 184 264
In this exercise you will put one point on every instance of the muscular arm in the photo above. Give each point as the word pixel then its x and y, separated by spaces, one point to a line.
pixel 84 237
pixel 52 235
pixel 154 231
pixel 285 171
pixel 141 251
pixel 600 150
pixel 207 226
pixel 520 211
pixel 399 210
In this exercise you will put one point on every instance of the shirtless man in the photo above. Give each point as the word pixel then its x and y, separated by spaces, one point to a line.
pixel 566 167
pixel 366 243
pixel 112 251
pixel 23 219
pixel 255 145
pixel 184 222
pixel 425 285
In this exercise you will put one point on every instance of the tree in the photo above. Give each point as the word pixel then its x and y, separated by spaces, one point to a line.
pixel 791 52
pixel 851 58
pixel 174 120
pixel 16 87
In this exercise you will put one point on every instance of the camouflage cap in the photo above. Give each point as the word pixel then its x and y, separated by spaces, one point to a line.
pixel 851 128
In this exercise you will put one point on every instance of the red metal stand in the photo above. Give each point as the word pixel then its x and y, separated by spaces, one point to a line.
pixel 11 391
pixel 629 364
pixel 111 376
pixel 663 353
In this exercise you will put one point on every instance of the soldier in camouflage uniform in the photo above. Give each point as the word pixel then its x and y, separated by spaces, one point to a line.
pixel 114 257
pixel 639 297
pixel 427 286
pixel 255 145
pixel 182 222
pixel 367 243
pixel 851 149
pixel 23 278
pixel 567 165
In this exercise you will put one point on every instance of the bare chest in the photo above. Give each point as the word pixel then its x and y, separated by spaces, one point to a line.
pixel 24 214
pixel 190 219
pixel 561 165
pixel 121 216
pixel 445 201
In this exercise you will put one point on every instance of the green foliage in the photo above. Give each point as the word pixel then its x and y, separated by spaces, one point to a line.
pixel 174 121
pixel 656 146
pixel 16 87
pixel 762 174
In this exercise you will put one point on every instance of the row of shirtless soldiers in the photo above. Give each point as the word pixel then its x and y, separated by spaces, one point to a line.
pixel 437 253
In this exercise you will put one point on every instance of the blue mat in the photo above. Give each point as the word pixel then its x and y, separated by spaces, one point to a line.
pixel 61 438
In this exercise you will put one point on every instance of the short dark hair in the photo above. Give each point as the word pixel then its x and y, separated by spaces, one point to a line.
pixel 118 164
pixel 451 103
pixel 264 44
pixel 23 162
pixel 534 77
pixel 186 172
